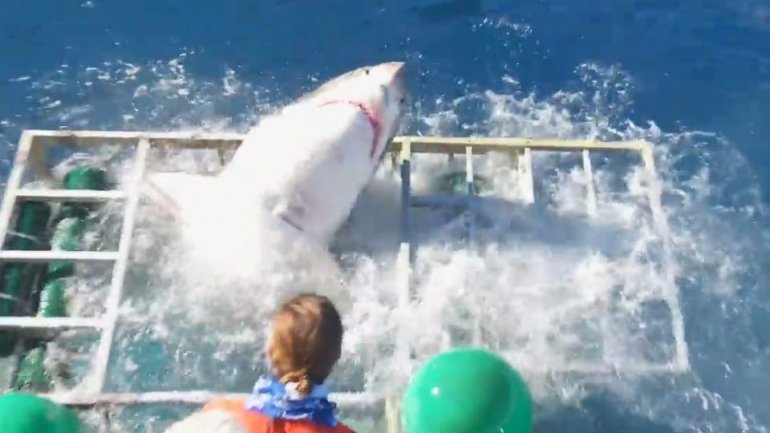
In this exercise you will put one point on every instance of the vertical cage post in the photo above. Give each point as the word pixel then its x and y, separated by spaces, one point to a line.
pixel 14 183
pixel 590 189
pixel 406 252
pixel 404 263
pixel 115 294
pixel 654 191
pixel 470 227
pixel 524 169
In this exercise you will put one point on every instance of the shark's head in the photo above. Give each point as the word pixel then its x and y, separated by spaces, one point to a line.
pixel 379 89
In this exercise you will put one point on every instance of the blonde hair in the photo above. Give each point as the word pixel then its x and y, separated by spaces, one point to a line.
pixel 305 341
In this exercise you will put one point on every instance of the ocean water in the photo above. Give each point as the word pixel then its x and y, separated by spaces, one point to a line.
pixel 692 77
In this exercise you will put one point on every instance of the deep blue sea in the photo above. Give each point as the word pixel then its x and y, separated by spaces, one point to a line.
pixel 693 76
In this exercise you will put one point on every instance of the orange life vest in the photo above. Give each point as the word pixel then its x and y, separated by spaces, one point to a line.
pixel 255 422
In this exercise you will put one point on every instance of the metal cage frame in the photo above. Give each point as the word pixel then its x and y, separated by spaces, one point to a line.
pixel 30 154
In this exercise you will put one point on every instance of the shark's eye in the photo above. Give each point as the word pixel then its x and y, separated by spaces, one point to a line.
pixel 366 71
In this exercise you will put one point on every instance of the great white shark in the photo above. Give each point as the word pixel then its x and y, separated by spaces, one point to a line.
pixel 307 163
pixel 298 171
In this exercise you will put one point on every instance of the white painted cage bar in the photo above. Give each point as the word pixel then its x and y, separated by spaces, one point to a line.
pixel 30 155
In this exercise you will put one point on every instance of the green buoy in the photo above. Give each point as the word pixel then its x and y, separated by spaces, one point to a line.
pixel 456 183
pixel 68 231
pixel 27 413
pixel 17 279
pixel 467 391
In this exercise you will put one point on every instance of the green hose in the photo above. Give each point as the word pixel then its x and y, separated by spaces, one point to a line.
pixel 68 233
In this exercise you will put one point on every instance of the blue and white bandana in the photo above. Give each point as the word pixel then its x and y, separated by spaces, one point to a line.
pixel 276 400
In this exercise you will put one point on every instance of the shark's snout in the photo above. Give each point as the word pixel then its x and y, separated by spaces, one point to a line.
pixel 394 68
pixel 396 71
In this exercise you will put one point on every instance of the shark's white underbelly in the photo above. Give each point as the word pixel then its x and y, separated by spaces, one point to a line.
pixel 308 166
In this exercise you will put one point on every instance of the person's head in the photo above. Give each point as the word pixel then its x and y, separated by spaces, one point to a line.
pixel 305 341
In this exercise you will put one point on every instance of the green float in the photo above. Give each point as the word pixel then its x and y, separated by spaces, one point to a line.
pixel 467 391
pixel 26 413
pixel 69 228
pixel 17 280
pixel 456 183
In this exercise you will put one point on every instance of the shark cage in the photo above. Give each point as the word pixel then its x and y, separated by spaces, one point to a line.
pixel 44 224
